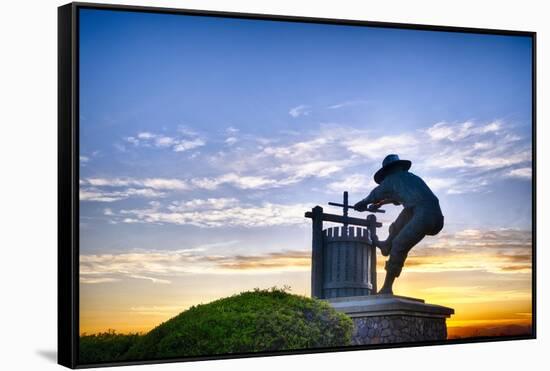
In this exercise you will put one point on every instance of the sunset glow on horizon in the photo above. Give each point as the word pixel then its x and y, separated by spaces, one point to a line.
pixel 496 290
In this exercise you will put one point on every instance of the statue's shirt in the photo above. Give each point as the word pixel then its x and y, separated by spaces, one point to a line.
pixel 404 188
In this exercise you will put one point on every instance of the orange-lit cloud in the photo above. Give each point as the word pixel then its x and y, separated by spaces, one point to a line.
pixel 162 265
pixel 500 250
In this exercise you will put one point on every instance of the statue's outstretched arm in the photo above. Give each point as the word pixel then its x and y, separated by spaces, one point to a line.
pixel 379 194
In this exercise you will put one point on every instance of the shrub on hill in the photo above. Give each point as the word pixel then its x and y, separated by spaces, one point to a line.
pixel 105 347
pixel 253 321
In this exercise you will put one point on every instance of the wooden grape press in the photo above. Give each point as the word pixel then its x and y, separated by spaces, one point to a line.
pixel 343 258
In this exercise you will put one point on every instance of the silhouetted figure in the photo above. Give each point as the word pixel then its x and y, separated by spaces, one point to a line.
pixel 421 215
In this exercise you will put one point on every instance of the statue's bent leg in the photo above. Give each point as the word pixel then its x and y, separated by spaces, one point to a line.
pixel 404 217
pixel 411 234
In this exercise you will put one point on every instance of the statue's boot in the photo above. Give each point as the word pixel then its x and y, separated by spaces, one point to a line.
pixel 384 246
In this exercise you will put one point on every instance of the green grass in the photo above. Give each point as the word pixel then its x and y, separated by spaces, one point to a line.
pixel 253 321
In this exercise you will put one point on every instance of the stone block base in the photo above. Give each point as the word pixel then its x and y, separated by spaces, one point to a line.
pixel 384 319
pixel 397 329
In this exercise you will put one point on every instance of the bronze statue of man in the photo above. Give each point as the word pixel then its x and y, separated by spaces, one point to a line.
pixel 421 214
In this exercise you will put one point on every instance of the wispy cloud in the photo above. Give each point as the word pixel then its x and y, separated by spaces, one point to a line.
pixel 287 163
pixel 353 183
pixel 91 280
pixel 216 213
pixel 232 136
pixel 471 147
pixel 348 103
pixel 301 110
pixel 152 279
pixel 283 260
pixel 116 189
pixel 156 265
pixel 454 158
pixel 523 173
pixel 186 140
pixel 457 158
pixel 496 251
pixel 373 147
pixel 456 132
pixel 86 158
pixel 154 183
pixel 203 204
pixel 95 194
pixel 457 185
pixel 236 180
pixel 231 140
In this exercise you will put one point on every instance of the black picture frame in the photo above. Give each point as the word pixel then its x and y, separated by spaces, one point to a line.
pixel 68 176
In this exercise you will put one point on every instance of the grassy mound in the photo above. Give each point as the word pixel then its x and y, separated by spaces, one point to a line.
pixel 255 321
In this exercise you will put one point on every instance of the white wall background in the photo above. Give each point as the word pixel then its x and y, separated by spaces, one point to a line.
pixel 28 150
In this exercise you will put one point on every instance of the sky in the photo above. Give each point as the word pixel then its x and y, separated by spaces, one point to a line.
pixel 203 141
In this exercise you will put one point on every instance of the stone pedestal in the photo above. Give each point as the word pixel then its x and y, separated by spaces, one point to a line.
pixel 383 319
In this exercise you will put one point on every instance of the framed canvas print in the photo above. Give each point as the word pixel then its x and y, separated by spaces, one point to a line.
pixel 236 185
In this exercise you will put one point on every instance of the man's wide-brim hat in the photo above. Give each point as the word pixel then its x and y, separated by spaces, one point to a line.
pixel 390 163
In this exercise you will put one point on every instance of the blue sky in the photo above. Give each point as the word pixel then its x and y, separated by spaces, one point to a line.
pixel 204 136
